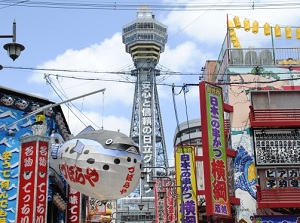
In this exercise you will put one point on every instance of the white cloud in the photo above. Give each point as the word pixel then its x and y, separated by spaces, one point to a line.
pixel 209 26
pixel 185 57
pixel 97 120
pixel 107 56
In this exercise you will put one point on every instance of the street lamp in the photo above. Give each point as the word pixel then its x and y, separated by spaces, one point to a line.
pixel 13 49
pixel 151 184
pixel 141 206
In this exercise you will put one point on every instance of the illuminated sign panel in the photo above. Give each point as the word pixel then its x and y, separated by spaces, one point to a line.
pixel 214 150
pixel 277 147
pixel 187 205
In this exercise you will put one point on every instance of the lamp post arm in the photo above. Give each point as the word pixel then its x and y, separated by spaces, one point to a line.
pixel 6 36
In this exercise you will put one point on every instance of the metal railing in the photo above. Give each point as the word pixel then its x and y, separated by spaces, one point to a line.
pixel 258 57
pixel 284 117
pixel 278 197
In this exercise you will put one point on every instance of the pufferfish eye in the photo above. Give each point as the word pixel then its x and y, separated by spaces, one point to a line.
pixel 132 149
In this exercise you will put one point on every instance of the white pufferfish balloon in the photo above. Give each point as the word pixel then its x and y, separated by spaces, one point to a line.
pixel 102 164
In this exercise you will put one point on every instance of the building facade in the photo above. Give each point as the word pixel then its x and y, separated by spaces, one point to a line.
pixel 258 69
pixel 26 170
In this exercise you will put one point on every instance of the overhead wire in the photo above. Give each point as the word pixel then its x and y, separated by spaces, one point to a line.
pixel 176 113
pixel 185 90
pixel 166 84
pixel 90 5
pixel 168 72
pixel 56 89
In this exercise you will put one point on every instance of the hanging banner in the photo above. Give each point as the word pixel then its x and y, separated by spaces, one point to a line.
pixel 42 183
pixel 33 180
pixel 74 206
pixel 26 188
pixel 160 203
pixel 187 204
pixel 214 151
pixel 171 200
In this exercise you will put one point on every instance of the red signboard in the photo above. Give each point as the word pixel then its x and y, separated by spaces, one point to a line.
pixel 171 200
pixel 27 177
pixel 33 180
pixel 160 204
pixel 42 183
pixel 74 206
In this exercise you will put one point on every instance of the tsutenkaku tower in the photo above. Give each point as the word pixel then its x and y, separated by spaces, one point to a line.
pixel 145 40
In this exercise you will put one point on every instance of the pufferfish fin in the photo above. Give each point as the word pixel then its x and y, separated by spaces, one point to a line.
pixel 78 147
pixel 87 129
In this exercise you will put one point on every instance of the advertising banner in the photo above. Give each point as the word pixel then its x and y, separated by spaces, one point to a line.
pixel 214 150
pixel 27 182
pixel 160 203
pixel 187 204
pixel 42 182
pixel 171 200
pixel 74 206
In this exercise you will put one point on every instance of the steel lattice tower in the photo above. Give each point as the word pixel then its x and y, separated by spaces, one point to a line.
pixel 145 40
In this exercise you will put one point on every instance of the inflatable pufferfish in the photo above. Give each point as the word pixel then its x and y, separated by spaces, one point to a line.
pixel 102 164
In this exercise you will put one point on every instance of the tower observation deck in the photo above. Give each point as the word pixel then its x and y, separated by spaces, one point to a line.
pixel 145 40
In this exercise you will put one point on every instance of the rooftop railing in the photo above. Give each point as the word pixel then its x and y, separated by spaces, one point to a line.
pixel 259 57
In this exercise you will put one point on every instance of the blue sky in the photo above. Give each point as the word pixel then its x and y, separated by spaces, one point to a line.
pixel 90 40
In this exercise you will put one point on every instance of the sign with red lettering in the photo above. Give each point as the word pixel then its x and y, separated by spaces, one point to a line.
pixel 214 150
pixel 42 183
pixel 171 200
pixel 74 206
pixel 26 188
pixel 160 203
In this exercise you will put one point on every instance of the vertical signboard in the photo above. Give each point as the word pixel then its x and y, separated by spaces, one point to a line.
pixel 171 200
pixel 214 150
pixel 5 185
pixel 27 177
pixel 146 129
pixel 33 180
pixel 160 203
pixel 187 205
pixel 74 206
pixel 42 183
